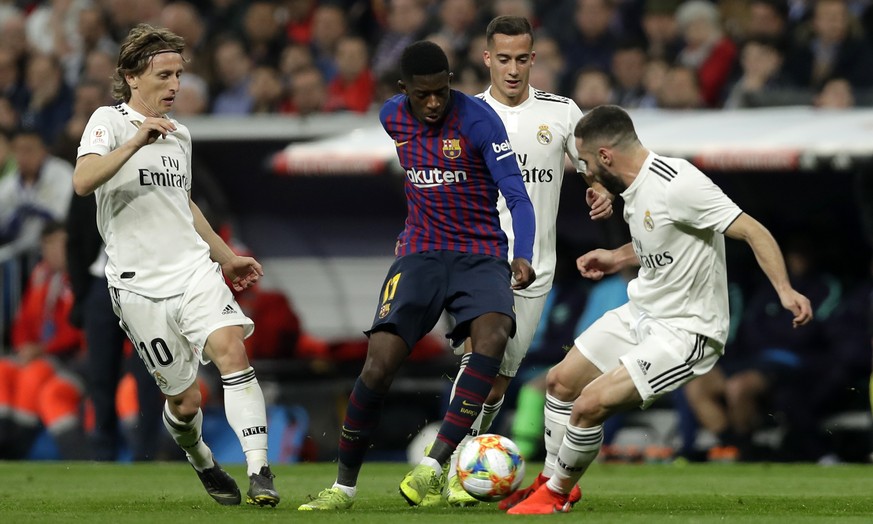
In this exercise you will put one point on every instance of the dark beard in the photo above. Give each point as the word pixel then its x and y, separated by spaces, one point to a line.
pixel 611 182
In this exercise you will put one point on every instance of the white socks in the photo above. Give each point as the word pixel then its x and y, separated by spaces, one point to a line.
pixel 556 419
pixel 189 437
pixel 247 415
pixel 580 448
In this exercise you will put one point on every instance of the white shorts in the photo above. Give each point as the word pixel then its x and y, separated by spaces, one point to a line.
pixel 528 311
pixel 658 357
pixel 170 333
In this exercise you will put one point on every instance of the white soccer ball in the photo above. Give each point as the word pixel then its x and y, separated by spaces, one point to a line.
pixel 490 467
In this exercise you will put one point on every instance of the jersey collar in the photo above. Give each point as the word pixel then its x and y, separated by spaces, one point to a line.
pixel 503 107
pixel 638 181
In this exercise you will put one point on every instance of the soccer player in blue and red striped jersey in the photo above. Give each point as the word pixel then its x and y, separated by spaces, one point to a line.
pixel 452 256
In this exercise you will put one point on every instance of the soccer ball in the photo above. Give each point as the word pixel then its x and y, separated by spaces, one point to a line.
pixel 490 467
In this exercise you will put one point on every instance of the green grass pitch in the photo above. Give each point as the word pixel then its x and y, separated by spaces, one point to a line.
pixel 170 493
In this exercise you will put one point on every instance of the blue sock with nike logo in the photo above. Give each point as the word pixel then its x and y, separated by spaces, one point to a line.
pixel 362 416
pixel 471 389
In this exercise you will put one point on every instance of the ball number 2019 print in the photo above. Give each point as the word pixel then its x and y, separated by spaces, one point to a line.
pixel 490 467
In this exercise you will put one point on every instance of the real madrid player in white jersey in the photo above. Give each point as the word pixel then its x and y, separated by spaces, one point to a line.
pixel 165 261
pixel 675 324
pixel 540 128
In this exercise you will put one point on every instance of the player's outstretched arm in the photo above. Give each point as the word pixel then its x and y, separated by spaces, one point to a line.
pixel 93 170
pixel 769 257
pixel 600 262
pixel 243 272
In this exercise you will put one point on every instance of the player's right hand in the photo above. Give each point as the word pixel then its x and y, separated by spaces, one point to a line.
pixel 151 130
pixel 595 264
pixel 799 305
pixel 523 274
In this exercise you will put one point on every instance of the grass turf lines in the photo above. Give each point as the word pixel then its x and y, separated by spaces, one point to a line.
pixel 171 493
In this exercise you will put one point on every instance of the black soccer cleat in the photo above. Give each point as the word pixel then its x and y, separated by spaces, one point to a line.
pixel 261 491
pixel 220 486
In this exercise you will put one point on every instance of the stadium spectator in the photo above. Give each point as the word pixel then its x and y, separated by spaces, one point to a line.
pixel 295 57
pixel 38 191
pixel 329 26
pixel 93 34
pixel 762 81
pixel 38 385
pixel 353 87
pixel 11 86
pixel 456 24
pixel 50 99
pixel 592 41
pixel 299 18
pixel 262 34
pixel 193 96
pixel 628 68
pixel 707 50
pixel 592 88
pixel 7 159
pixel 307 93
pixel 836 93
pixel 265 89
pixel 767 19
pixel 52 28
pixel 233 70
pixel 470 79
pixel 407 21
pixel 680 89
pixel 653 80
pixel 185 20
pixel 89 95
pixel 99 67
pixel 827 46
pixel 663 39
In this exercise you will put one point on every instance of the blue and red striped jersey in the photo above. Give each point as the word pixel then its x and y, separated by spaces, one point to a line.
pixel 452 176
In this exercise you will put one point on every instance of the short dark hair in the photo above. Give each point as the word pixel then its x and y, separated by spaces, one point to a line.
pixel 51 227
pixel 508 25
pixel 423 58
pixel 606 124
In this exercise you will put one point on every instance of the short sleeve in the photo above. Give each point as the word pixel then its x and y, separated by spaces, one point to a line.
pixel 99 136
pixel 574 115
pixel 694 199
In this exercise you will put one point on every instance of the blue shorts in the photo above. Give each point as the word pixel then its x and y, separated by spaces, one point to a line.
pixel 421 285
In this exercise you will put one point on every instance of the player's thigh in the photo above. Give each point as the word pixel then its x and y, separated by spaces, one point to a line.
pixel 611 392
pixel 206 307
pixel 667 358
pixel 477 284
pixel 152 328
pixel 528 311
pixel 608 338
pixel 412 296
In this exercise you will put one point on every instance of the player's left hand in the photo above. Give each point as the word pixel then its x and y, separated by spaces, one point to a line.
pixel 523 273
pixel 600 204
pixel 242 272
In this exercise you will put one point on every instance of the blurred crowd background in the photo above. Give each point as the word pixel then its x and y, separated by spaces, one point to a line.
pixel 304 58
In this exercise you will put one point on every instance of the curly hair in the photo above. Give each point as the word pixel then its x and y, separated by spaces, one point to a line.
pixel 142 43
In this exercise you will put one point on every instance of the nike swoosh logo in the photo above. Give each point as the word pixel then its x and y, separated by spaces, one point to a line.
pixel 469 404
pixel 399 144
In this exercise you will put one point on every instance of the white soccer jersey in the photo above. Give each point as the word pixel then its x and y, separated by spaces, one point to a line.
pixel 540 130
pixel 143 212
pixel 677 218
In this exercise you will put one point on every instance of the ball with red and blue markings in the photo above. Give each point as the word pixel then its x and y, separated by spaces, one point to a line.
pixel 490 467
